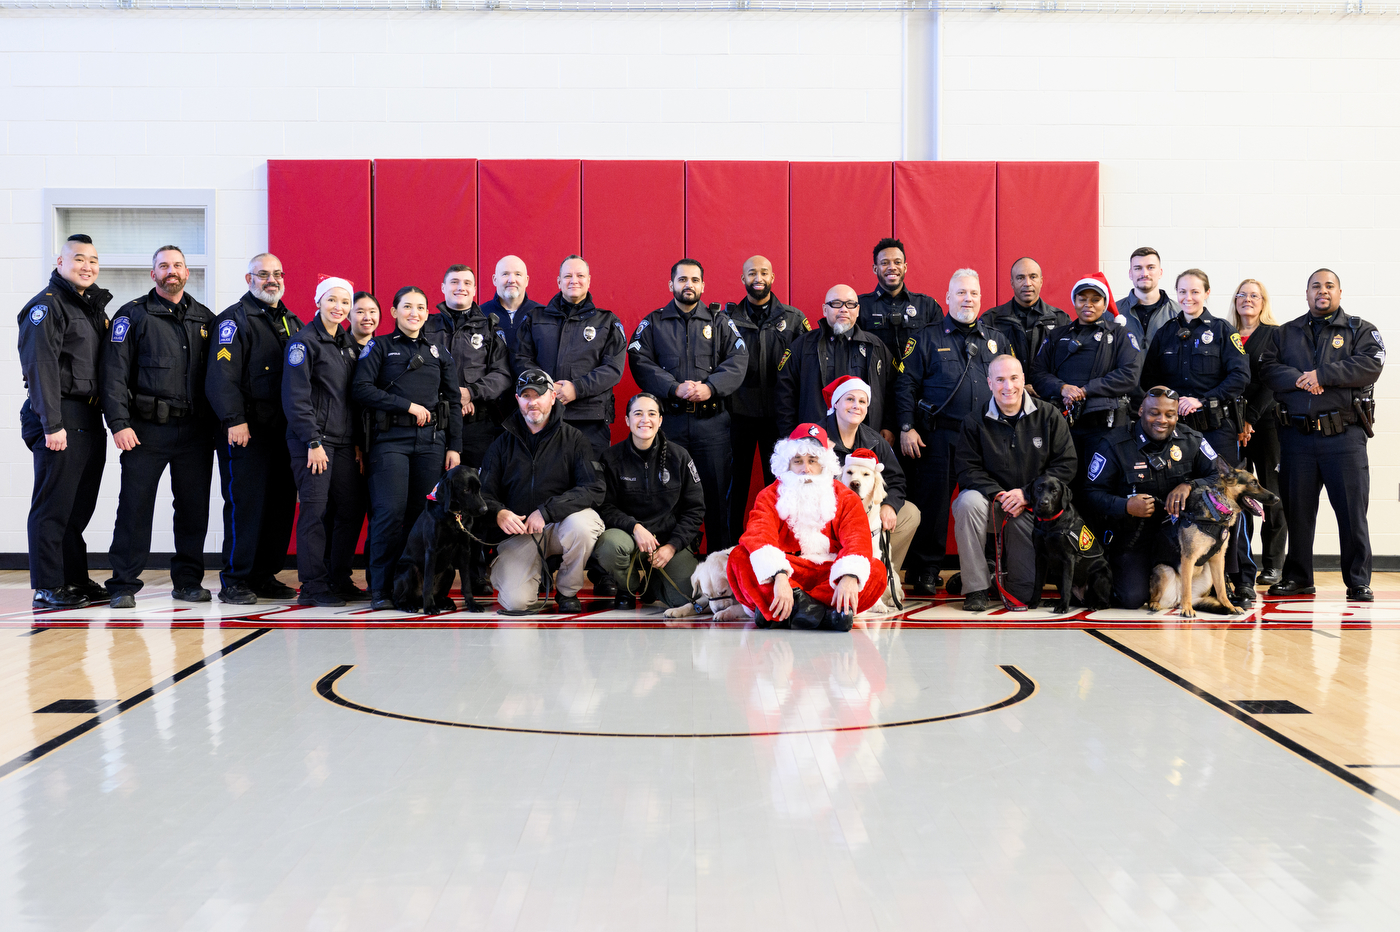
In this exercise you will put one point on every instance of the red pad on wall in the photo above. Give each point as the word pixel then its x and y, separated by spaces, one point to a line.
pixel 1050 212
pixel 734 210
pixel 945 212
pixel 840 210
pixel 318 223
pixel 529 208
pixel 424 221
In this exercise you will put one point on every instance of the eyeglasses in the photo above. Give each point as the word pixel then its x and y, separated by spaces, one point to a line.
pixel 837 305
pixel 1248 297
pixel 264 276
pixel 1162 393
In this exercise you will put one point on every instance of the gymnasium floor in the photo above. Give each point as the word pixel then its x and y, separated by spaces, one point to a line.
pixel 274 768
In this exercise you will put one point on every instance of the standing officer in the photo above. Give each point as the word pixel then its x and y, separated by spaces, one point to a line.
pixel 61 331
pixel 1026 319
pixel 483 366
pixel 767 327
pixel 244 385
pixel 690 355
pixel 837 347
pixel 153 398
pixel 892 312
pixel 1148 307
pixel 943 380
pixel 1322 368
pixel 511 305
pixel 583 346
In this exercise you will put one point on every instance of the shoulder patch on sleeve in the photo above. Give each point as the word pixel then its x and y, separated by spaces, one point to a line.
pixel 806 324
pixel 368 346
pixel 646 322
pixel 119 328
pixel 694 473
pixel 37 313
pixel 787 354
pixel 1207 449
pixel 1239 344
pixel 1132 338
pixel 620 328
pixel 1377 335
pixel 1096 465
pixel 909 347
pixel 735 327
pixel 635 345
pixel 296 354
pixel 226 331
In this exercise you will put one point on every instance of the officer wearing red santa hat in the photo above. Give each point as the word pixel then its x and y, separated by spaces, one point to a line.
pixel 805 559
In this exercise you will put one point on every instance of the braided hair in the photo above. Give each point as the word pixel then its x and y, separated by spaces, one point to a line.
pixel 663 449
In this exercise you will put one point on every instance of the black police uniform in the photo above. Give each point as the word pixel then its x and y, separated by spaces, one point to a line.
pixel 582 344
pixel 1323 437
pixel 670 347
pixel 316 402
pixel 244 385
pixel 767 330
pixel 896 319
pixel 60 347
pixel 944 378
pixel 509 326
pixel 405 461
pixel 153 382
pixel 1025 328
pixel 1261 455
pixel 483 367
pixel 817 358
pixel 1127 462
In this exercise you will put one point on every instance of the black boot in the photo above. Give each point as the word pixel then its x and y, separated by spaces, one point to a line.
pixel 807 612
pixel 839 621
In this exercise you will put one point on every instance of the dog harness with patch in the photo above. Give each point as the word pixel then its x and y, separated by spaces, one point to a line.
pixel 1083 540
pixel 1217 527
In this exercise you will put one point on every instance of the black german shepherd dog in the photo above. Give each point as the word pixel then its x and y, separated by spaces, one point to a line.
pixel 439 544
pixel 1061 537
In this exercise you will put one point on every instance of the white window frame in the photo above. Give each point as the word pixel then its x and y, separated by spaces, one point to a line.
pixel 57 198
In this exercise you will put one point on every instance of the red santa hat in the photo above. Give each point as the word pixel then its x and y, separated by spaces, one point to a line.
pixel 327 282
pixel 807 438
pixel 1096 281
pixel 866 458
pixel 838 387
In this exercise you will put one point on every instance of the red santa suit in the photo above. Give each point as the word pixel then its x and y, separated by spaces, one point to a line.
pixel 815 545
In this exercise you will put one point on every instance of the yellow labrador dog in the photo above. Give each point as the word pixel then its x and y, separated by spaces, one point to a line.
pixel 710 583
pixel 862 474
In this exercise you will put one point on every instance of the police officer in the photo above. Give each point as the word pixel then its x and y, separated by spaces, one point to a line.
pixel 409 387
pixel 1322 368
pixel 943 380
pixel 1148 307
pixel 61 331
pixel 1203 359
pixel 244 385
pixel 483 366
pixel 1026 318
pixel 1139 477
pixel 767 327
pixel 583 346
pixel 837 347
pixel 892 312
pixel 511 305
pixel 692 356
pixel 153 397
pixel 320 440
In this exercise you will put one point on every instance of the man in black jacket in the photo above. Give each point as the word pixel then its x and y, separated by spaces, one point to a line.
pixel 244 385
pixel 768 328
pixel 583 346
pixel 511 305
pixel 1003 449
pixel 61 331
pixel 1026 319
pixel 153 398
pixel 539 482
pixel 837 347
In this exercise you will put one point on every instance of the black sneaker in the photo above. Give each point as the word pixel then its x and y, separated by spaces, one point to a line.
pixel 605 587
pixel 976 601
pixel 1291 587
pixel 954 586
pixel 624 602
pixel 238 594
pixel 89 590
pixel 274 588
pixel 1270 576
pixel 62 597
pixel 191 594
pixel 569 604
pixel 379 601
pixel 351 592
pixel 320 599
pixel 122 600
pixel 926 584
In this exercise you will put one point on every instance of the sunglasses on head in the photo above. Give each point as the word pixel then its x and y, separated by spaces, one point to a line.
pixel 1162 393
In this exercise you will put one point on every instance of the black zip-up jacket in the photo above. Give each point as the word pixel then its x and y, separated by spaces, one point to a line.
pixel 385 379
pixel 897 321
pixel 476 345
pixel 1117 365
pixel 1258 397
pixel 1348 355
pixel 509 328
pixel 316 383
pixel 868 438
pixel 819 356
pixel 766 342
pixel 1127 462
pixel 579 343
pixel 1208 361
pixel 157 352
pixel 246 350
pixel 997 453
pixel 551 471
pixel 933 366
pixel 60 347
pixel 665 498
pixel 1024 341
pixel 670 347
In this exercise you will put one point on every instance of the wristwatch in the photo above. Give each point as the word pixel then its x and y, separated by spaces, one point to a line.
pixel 314 445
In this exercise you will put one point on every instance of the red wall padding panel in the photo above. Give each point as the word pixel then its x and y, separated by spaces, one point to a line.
pixel 631 241
pixel 318 223
pixel 529 208
pixel 1050 212
pixel 840 210
pixel 734 210
pixel 424 221
pixel 945 212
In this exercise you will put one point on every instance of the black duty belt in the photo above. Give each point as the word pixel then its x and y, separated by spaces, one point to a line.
pixel 1327 424
pixel 396 419
pixel 697 408
pixel 944 423
pixel 85 399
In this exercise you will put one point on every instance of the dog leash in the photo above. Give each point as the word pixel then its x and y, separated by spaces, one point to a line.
pixel 1009 600
pixel 644 571
pixel 892 578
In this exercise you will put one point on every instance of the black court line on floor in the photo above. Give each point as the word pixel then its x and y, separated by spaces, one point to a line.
pixel 1341 772
pixel 1026 688
pixel 79 730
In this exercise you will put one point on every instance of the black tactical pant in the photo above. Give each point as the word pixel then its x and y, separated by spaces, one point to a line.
pixel 931 489
pixel 1261 456
pixel 707 441
pixel 328 523
pixel 404 464
pixel 747 434
pixel 1308 463
pixel 260 497
pixel 65 493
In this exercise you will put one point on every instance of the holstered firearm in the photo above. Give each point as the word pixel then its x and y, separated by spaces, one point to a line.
pixel 1364 404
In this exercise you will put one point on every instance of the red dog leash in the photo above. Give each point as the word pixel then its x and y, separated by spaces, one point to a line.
pixel 1009 600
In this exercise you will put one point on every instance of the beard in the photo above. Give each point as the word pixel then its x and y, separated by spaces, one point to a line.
pixel 758 291
pixel 839 328
pixel 962 315
pixel 808 504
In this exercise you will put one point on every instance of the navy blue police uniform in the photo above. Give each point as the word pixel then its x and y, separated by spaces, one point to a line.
pixel 582 344
pixel 244 385
pixel 508 324
pixel 671 346
pixel 60 348
pixel 483 368
pixel 816 359
pixel 153 382
pixel 1024 328
pixel 1322 438
pixel 895 319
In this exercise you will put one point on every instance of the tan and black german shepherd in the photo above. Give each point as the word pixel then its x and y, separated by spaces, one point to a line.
pixel 1211 509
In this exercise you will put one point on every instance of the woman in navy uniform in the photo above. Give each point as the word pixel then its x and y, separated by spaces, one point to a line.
pixel 409 388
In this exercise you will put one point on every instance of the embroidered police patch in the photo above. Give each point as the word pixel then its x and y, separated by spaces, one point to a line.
pixel 37 312
pixel 1096 465
pixel 119 328
pixel 635 345
pixel 296 354
pixel 1235 339
pixel 640 327
pixel 1376 334
pixel 738 344
pixel 368 346
pixel 618 325
pixel 909 347
pixel 806 324
pixel 224 354
pixel 694 473
pixel 1037 443
pixel 1086 538
pixel 664 475
pixel 1207 449
pixel 1132 338
pixel 735 328
pixel 226 331
pixel 787 353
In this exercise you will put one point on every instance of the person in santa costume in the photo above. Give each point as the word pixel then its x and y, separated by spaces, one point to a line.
pixel 805 559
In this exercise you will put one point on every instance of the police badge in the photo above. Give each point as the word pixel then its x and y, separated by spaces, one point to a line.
pixel 708 332
pixel 992 347
pixel 782 325
pixel 1208 338
pixel 589 333
pixel 1176 453
pixel 477 341
pixel 1337 341
pixel 911 311
pixel 432 348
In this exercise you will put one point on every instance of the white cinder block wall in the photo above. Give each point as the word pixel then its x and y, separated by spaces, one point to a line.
pixel 1245 145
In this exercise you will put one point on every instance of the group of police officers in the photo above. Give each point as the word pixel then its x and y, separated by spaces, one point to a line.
pixel 350 423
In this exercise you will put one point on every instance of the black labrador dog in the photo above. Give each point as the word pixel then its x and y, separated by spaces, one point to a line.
pixel 1062 537
pixel 440 543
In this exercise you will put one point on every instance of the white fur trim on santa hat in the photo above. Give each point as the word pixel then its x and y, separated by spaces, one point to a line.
pixel 869 462
pixel 768 561
pixel 784 450
pixel 850 385
pixel 852 564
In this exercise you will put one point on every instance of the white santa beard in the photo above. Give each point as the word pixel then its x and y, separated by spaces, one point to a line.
pixel 808 505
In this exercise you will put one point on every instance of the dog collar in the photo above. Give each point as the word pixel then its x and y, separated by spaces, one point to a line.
pixel 1052 517
pixel 1216 504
